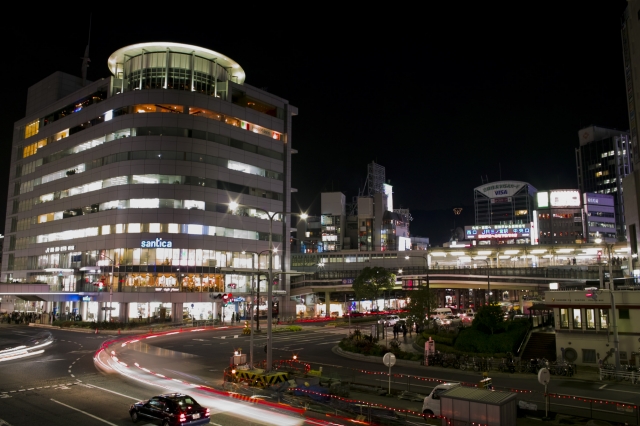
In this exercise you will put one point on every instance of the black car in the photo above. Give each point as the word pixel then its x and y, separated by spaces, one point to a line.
pixel 171 409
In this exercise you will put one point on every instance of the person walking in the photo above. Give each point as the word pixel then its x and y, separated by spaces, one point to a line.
pixel 233 317
pixel 404 331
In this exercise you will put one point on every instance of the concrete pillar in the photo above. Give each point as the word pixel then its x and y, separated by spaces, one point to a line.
pixel 327 301
pixel 176 312
pixel 101 311
pixel 84 309
pixel 124 312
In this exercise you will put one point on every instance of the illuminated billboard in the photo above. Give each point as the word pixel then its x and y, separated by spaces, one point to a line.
pixel 488 232
pixel 500 189
pixel 543 199
pixel 565 198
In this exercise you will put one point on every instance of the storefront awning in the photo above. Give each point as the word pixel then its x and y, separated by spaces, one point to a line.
pixel 30 298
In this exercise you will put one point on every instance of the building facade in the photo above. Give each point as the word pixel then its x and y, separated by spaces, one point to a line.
pixel 603 159
pixel 504 203
pixel 631 56
pixel 125 183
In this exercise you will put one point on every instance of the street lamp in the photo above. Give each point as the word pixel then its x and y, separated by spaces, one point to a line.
pixel 488 278
pixel 614 320
pixel 271 215
pixel 253 304
pixel 102 255
pixel 426 263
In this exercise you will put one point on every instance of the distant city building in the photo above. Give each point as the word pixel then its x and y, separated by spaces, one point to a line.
pixel 558 217
pixel 125 184
pixel 504 203
pixel 631 183
pixel 603 159
pixel 599 217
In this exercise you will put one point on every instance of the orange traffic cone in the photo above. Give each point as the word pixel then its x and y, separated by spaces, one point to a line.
pixel 96 331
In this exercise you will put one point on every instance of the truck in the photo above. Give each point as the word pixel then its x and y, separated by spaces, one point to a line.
pixel 456 403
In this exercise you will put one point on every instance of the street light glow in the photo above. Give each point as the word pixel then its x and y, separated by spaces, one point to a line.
pixel 233 205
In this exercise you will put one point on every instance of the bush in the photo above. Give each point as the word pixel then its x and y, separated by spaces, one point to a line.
pixel 287 328
pixel 476 341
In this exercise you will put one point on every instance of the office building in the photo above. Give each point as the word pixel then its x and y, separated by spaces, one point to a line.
pixel 504 203
pixel 603 159
pixel 123 186
pixel 631 184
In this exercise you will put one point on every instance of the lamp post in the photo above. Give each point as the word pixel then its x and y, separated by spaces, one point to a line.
pixel 614 320
pixel 102 255
pixel 271 215
pixel 488 278
pixel 426 264
pixel 253 304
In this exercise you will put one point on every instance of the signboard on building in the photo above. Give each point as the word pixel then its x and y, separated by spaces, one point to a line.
pixel 565 198
pixel 502 189
pixel 591 198
pixel 346 281
pixel 487 232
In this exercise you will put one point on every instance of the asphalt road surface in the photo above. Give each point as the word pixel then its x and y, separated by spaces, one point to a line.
pixel 63 386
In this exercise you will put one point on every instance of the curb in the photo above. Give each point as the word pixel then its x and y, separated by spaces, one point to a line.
pixel 403 362
pixel 87 330
pixel 374 359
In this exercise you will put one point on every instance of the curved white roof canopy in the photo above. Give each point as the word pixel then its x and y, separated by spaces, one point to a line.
pixel 117 57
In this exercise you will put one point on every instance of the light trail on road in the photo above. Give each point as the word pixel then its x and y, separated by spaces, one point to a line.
pixel 218 401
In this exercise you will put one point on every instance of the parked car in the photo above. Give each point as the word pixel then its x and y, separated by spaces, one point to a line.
pixel 467 318
pixel 171 409
pixel 389 320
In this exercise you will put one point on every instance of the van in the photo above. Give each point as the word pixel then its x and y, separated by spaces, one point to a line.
pixel 431 404
pixel 441 312
pixel 389 320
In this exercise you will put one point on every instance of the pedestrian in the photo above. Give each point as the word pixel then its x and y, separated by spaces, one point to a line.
pixel 233 317
pixel 395 331
pixel 404 331
pixel 219 316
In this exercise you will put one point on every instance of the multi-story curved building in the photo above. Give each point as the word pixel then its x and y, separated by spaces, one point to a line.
pixel 120 188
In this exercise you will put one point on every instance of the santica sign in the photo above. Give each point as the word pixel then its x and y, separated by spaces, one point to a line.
pixel 158 242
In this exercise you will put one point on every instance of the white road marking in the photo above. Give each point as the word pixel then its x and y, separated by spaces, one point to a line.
pixel 603 386
pixel 113 392
pixel 84 412
pixel 73 375
pixel 4 423
pixel 328 343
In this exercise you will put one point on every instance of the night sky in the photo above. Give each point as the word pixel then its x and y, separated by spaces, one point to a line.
pixel 442 98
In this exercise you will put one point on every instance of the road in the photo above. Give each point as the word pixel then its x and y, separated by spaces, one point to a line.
pixel 63 385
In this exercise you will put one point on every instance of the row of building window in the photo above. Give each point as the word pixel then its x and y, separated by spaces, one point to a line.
pixel 33 127
pixel 152 179
pixel 137 228
pixel 140 203
pixel 601 225
pixel 590 319
pixel 143 256
pixel 32 149
pixel 149 155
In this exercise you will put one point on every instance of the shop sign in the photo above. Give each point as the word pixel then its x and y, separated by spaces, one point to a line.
pixel 59 249
pixel 158 242
pixel 347 280
pixel 86 299
pixel 167 289
pixel 497 231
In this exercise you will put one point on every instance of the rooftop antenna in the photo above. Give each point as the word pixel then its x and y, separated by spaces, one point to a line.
pixel 85 58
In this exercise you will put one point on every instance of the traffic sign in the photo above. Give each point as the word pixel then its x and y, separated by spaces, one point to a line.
pixel 389 359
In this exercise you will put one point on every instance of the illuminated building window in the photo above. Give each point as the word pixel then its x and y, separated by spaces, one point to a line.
pixel 32 128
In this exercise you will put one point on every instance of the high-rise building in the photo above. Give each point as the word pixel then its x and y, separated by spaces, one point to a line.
pixel 603 159
pixel 631 184
pixel 504 203
pixel 125 183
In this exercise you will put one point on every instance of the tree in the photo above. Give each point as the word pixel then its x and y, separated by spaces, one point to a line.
pixel 421 303
pixel 488 318
pixel 371 282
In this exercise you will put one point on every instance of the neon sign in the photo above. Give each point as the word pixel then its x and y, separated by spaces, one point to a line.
pixel 158 242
